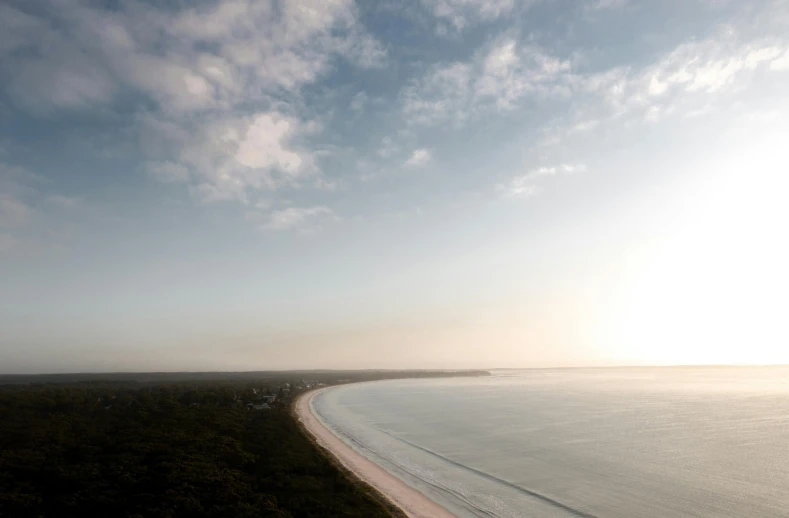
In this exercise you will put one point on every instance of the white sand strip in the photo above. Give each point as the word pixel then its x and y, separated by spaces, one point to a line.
pixel 411 501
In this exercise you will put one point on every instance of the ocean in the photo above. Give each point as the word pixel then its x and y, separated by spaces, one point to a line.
pixel 624 442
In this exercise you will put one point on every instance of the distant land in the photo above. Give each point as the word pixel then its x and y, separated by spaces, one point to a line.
pixel 164 377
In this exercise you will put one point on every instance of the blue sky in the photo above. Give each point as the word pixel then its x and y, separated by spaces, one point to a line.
pixel 247 184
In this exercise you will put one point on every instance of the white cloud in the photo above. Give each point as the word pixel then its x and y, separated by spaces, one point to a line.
pixel 707 66
pixel 443 94
pixel 283 47
pixel 685 81
pixel 364 50
pixel 519 188
pixel 509 73
pixel 217 192
pixel 462 13
pixel 418 158
pixel 304 218
pixel 387 149
pixel 195 71
pixel 176 87
pixel 557 169
pixel 230 158
pixel 264 146
pixel 781 63
pixel 693 79
pixel 608 4
pixel 527 184
pixel 654 114
pixel 496 78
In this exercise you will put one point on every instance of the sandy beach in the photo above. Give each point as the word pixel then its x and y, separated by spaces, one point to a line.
pixel 409 500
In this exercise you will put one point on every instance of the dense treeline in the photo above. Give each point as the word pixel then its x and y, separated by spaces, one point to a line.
pixel 127 449
pixel 172 445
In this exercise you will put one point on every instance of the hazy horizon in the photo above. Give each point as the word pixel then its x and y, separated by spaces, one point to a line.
pixel 237 185
pixel 414 369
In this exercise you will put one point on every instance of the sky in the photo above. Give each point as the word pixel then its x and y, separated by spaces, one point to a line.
pixel 261 184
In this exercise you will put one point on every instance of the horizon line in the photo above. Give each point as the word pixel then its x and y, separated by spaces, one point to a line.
pixel 415 369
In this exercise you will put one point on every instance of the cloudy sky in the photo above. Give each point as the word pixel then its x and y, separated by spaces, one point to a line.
pixel 254 184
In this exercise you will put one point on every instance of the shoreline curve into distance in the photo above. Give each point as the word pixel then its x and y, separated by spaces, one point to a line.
pixel 413 503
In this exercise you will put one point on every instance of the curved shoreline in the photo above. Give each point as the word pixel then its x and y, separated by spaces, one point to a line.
pixel 410 501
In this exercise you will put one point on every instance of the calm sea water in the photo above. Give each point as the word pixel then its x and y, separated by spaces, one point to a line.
pixel 661 442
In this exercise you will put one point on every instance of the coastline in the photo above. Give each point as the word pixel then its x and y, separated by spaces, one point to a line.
pixel 407 499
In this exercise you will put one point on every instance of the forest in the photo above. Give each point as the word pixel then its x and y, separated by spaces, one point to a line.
pixel 170 449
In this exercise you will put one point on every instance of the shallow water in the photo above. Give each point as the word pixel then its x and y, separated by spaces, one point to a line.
pixel 662 442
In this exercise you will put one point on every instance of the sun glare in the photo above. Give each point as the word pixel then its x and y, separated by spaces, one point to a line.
pixel 715 291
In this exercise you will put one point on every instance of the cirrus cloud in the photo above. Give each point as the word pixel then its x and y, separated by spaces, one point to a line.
pixel 497 78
